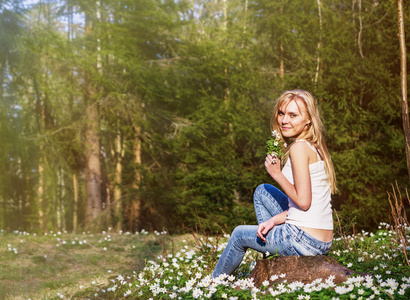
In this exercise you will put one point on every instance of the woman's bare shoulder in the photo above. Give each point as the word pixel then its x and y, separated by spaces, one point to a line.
pixel 301 150
pixel 299 145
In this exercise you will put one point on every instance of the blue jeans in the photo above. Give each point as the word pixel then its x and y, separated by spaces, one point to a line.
pixel 284 239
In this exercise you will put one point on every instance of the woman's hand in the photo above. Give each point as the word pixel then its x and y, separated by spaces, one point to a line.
pixel 272 164
pixel 264 228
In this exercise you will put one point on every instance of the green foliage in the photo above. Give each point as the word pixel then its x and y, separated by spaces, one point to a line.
pixel 360 113
pixel 191 83
pixel 274 145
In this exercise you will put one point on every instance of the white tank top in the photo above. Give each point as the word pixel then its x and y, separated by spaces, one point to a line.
pixel 319 215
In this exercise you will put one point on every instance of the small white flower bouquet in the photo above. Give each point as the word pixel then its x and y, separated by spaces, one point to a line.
pixel 274 145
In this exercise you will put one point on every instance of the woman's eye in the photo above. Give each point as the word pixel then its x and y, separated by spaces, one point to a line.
pixel 281 113
pixel 293 115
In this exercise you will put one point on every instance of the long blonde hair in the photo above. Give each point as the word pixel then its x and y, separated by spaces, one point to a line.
pixel 314 131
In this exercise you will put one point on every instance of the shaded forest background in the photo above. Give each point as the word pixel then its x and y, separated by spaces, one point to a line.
pixel 154 113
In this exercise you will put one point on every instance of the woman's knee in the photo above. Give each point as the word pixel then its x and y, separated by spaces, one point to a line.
pixel 266 190
pixel 259 191
pixel 241 235
pixel 238 231
pixel 243 232
pixel 260 188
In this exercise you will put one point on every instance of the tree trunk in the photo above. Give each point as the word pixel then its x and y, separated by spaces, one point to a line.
pixel 282 63
pixel 41 162
pixel 403 80
pixel 93 166
pixel 135 209
pixel 40 192
pixel 282 66
pixel 92 143
pixel 75 209
pixel 118 180
pixel 359 37
pixel 319 45
pixel 60 202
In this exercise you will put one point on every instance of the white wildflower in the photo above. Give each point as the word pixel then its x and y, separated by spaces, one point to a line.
pixel 265 283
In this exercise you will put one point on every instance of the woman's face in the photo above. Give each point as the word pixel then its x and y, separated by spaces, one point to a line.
pixel 292 119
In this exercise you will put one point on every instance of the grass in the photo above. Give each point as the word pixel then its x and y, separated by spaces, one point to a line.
pixel 158 266
pixel 40 266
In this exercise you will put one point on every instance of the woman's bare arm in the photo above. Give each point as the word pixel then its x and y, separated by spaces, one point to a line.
pixel 301 191
pixel 264 227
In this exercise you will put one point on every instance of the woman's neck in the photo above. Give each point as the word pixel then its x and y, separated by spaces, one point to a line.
pixel 290 141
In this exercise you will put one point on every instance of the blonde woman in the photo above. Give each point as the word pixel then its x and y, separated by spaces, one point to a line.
pixel 297 221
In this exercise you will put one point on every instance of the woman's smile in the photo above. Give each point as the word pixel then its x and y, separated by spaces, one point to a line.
pixel 292 119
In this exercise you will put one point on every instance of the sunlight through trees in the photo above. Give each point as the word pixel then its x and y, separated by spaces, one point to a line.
pixel 154 113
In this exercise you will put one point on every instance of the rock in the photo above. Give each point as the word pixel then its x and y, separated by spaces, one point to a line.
pixel 299 268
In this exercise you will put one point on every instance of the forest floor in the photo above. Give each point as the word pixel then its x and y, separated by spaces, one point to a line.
pixel 46 266
pixel 156 265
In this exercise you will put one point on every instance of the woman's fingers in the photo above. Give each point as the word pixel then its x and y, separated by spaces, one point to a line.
pixel 274 159
pixel 259 233
pixel 265 231
pixel 271 159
